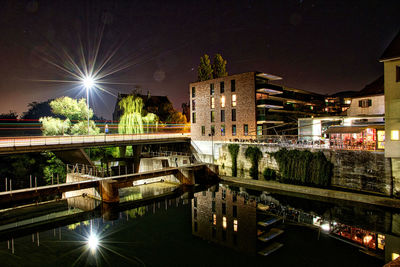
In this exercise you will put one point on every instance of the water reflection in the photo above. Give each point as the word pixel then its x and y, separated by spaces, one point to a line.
pixel 238 218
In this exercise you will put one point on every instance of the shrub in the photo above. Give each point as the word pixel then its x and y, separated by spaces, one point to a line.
pixel 269 174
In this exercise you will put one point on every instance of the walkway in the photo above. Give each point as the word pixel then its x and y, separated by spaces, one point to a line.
pixel 316 192
pixel 39 143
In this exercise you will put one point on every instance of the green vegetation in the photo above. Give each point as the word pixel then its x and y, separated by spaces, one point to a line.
pixel 219 67
pixel 269 174
pixel 204 71
pixel 44 166
pixel 304 167
pixel 66 111
pixel 134 117
pixel 234 151
pixel 254 154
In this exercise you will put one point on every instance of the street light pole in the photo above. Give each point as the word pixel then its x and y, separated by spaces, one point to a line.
pixel 88 110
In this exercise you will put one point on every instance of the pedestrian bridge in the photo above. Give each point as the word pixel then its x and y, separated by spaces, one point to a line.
pixel 9 145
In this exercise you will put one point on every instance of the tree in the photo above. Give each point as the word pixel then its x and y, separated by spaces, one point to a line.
pixel 234 151
pixel 254 154
pixel 37 110
pixel 204 71
pixel 66 110
pixel 219 67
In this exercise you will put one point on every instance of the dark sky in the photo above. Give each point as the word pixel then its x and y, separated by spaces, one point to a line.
pixel 320 46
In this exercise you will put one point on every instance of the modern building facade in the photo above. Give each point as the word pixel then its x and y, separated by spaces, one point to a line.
pixel 247 106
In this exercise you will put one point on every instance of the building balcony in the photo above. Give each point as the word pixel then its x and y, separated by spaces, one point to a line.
pixel 269 89
pixel 268 103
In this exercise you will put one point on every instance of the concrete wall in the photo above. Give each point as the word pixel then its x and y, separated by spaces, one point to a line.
pixel 357 170
pixel 245 107
pixel 71 177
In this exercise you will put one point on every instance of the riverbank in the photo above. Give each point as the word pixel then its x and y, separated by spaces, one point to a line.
pixel 314 192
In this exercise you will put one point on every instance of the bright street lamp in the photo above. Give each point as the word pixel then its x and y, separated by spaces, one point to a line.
pixel 88 83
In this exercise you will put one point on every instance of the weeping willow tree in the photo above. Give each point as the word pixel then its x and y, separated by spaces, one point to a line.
pixel 254 154
pixel 234 151
pixel 133 119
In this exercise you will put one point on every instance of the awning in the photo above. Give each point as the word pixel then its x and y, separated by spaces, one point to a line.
pixel 346 129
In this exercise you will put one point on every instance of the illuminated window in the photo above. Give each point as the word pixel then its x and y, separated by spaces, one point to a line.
pixel 381 139
pixel 212 102
pixel 212 116
pixel 223 130
pixel 222 115
pixel 347 101
pixel 234 100
pixel 222 87
pixel 203 130
pixel 395 256
pixel 194 117
pixel 222 101
pixel 193 92
pixel 215 219
pixel 224 222
pixel 234 130
pixel 211 88
pixel 381 241
pixel 394 135
pixel 235 225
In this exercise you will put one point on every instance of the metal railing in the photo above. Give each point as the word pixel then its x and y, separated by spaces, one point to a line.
pixel 83 139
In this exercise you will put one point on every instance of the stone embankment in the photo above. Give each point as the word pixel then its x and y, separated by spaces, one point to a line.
pixel 322 194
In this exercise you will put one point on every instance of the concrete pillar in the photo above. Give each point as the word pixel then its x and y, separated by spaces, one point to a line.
pixel 109 191
pixel 122 151
pixel 136 151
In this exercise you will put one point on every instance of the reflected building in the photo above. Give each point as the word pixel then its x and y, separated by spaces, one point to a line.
pixel 225 217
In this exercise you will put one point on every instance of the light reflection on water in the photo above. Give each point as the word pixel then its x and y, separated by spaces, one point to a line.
pixel 162 232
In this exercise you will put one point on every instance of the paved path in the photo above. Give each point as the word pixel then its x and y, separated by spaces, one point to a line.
pixel 316 192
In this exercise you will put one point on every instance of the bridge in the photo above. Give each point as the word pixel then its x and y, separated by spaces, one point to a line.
pixel 10 145
pixel 107 187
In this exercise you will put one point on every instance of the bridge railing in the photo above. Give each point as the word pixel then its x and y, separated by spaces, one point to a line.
pixel 81 139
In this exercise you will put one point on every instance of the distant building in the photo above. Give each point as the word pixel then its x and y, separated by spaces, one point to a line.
pixel 247 106
pixel 391 61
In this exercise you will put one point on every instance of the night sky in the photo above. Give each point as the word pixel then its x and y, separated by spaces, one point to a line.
pixel 320 46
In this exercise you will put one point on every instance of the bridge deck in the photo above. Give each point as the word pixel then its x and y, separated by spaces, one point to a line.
pixel 123 181
pixel 40 143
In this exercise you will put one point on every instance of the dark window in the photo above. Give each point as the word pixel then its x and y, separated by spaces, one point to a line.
pixel 193 104
pixel 213 194
pixel 233 114
pixel 397 73
pixel 233 85
pixel 195 214
pixel 234 211
pixel 224 235
pixel 212 130
pixel 214 232
pixel 195 202
pixel 212 115
pixel 204 193
pixel 195 226
pixel 223 194
pixel 234 239
pixel 223 130
pixel 222 87
pixel 211 88
pixel 223 208
pixel 194 117
pixel 364 103
pixel 234 130
pixel 213 206
pixel 234 197
pixel 203 130
pixel 246 129
pixel 193 92
pixel 222 115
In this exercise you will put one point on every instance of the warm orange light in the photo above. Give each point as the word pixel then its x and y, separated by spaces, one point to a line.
pixel 367 239
pixel 235 225
pixel 215 219
pixel 224 222
pixel 223 101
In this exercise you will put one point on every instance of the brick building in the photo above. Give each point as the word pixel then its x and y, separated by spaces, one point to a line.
pixel 247 106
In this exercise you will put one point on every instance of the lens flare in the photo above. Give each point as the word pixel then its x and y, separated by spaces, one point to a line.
pixel 93 242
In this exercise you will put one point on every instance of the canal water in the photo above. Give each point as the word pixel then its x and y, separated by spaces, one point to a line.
pixel 223 225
